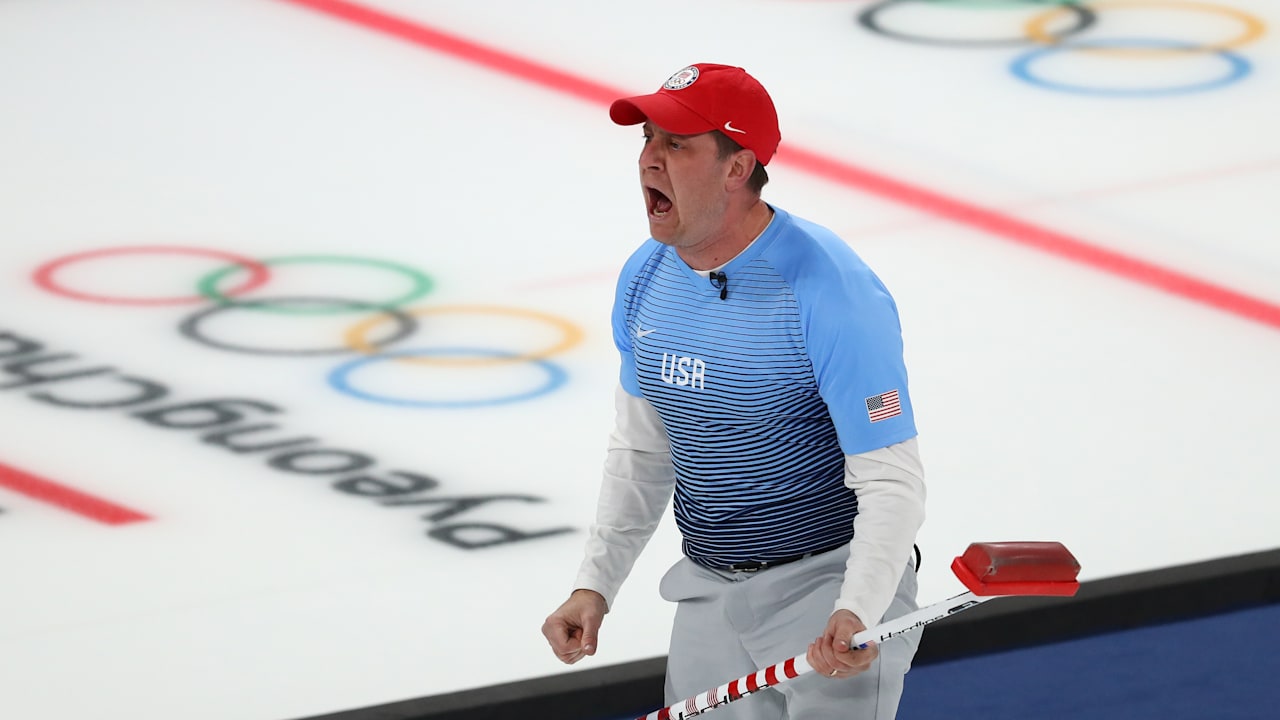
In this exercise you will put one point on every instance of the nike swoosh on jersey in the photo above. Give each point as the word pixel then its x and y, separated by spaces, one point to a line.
pixel 643 333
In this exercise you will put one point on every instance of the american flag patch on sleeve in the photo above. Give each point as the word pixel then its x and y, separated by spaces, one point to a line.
pixel 884 406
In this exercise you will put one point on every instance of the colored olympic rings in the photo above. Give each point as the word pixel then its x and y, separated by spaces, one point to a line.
pixel 870 19
pixel 1059 26
pixel 356 337
pixel 226 291
pixel 44 276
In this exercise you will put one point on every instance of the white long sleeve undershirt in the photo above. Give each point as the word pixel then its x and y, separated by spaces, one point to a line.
pixel 639 480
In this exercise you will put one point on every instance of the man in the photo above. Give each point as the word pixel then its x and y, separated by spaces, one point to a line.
pixel 763 384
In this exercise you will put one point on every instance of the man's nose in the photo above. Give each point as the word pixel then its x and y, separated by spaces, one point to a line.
pixel 651 157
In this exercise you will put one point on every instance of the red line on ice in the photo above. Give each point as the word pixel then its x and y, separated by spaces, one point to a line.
pixel 993 222
pixel 70 499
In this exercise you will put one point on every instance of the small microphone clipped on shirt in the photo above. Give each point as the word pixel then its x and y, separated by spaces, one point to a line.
pixel 720 281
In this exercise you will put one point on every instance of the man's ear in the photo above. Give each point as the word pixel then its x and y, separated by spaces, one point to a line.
pixel 741 165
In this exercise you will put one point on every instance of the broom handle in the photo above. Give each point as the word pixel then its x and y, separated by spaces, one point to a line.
pixel 912 620
pixel 799 665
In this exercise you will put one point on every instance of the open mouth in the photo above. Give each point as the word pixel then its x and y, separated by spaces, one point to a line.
pixel 659 204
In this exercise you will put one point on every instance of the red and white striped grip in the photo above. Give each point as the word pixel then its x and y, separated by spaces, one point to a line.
pixel 733 690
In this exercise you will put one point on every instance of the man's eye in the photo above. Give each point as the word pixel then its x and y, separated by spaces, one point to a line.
pixel 674 145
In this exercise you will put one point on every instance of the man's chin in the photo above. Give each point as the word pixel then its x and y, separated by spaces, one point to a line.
pixel 661 232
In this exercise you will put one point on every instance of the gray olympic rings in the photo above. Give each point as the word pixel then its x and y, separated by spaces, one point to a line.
pixel 870 19
pixel 190 327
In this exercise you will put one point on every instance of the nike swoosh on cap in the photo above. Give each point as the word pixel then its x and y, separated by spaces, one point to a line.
pixel 728 126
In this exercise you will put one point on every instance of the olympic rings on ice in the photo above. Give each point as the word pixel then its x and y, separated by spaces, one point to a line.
pixel 1059 27
pixel 229 288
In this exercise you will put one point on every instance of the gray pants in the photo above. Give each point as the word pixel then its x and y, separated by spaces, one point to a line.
pixel 730 624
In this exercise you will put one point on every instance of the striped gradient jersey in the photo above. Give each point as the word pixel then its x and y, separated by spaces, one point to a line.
pixel 764 389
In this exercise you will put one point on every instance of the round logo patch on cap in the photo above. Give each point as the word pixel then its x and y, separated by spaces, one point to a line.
pixel 682 79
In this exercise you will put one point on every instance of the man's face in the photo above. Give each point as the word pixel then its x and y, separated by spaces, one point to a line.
pixel 684 187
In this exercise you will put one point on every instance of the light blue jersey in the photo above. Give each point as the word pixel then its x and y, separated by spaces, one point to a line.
pixel 764 389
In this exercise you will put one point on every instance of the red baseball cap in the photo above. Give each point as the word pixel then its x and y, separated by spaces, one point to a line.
pixel 706 97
